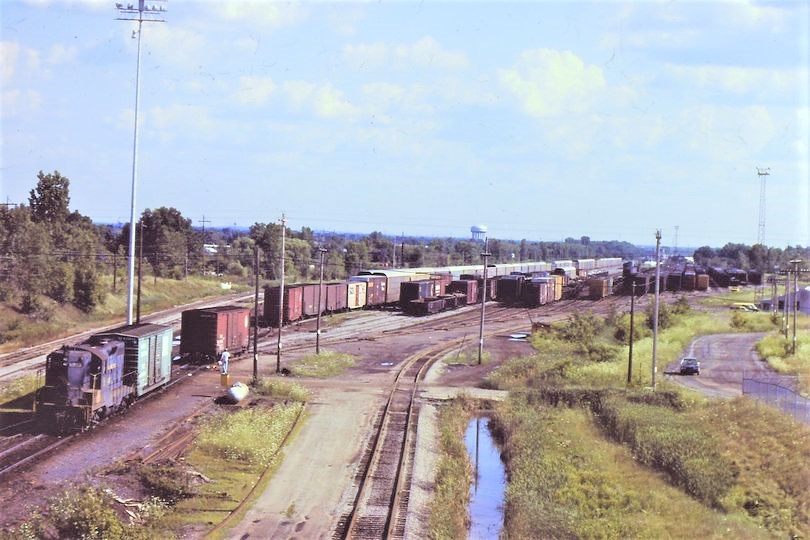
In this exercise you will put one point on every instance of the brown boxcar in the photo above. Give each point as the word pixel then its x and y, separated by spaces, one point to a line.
pixel 336 296
pixel 598 288
pixel 509 288
pixel 702 282
pixel 292 307
pixel 309 297
pixel 205 333
pixel 468 287
pixel 534 293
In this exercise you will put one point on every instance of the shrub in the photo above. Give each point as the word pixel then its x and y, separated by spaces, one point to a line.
pixel 84 513
pixel 166 481
pixel 666 440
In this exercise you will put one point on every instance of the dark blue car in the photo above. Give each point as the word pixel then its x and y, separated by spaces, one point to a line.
pixel 689 366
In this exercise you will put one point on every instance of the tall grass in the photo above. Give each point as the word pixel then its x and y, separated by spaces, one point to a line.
pixel 567 481
pixel 776 350
pixel 449 517
pixel 321 366
pixel 277 388
pixel 251 435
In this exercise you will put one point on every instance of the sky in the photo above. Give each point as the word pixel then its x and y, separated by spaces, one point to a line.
pixel 540 120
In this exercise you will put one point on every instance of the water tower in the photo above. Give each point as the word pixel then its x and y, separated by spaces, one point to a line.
pixel 479 232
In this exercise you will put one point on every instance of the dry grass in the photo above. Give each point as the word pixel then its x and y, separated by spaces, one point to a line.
pixel 322 366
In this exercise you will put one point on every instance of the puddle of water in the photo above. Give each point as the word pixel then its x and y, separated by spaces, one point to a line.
pixel 488 489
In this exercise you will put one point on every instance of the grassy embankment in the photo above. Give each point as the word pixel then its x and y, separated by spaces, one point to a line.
pixel 587 457
pixel 448 510
pixel 55 321
pixel 233 452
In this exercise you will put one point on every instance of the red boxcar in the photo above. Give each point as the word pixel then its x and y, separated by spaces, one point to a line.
pixel 335 296
pixel 205 333
pixel 293 304
pixel 309 298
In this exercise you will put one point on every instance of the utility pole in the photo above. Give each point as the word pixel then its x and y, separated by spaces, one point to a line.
pixel 763 174
pixel 281 295
pixel 256 314
pixel 485 254
pixel 655 313
pixel 142 13
pixel 205 250
pixel 632 329
pixel 140 274
pixel 795 263
pixel 786 304
pixel 115 272
pixel 322 251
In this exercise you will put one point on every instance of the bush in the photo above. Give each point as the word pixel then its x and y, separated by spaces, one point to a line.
pixel 666 315
pixel 666 440
pixel 166 481
pixel 84 513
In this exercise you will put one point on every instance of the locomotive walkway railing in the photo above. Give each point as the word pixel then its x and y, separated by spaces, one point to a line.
pixel 781 391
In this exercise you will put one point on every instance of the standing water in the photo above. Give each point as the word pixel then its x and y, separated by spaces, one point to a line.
pixel 489 483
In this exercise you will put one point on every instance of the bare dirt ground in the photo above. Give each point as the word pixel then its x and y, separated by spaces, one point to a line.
pixel 724 358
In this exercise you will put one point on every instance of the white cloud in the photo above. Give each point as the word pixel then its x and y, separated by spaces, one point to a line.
pixel 366 55
pixel 175 44
pixel 90 5
pixel 324 100
pixel 269 15
pixel 551 83
pixel 255 90
pixel 16 102
pixel 174 120
pixel 425 53
pixel 740 80
pixel 14 56
pixel 758 15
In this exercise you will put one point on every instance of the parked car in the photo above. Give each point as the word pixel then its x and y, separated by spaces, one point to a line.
pixel 690 366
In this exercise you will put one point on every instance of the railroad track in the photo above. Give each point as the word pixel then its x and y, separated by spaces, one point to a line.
pixel 383 479
pixel 29 449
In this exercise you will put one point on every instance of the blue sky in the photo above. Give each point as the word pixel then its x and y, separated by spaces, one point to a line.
pixel 541 120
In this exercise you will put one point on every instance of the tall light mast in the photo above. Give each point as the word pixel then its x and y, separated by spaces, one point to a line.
pixel 763 174
pixel 141 12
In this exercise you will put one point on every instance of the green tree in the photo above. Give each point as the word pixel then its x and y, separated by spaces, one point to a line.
pixel 50 199
pixel 166 239
pixel 356 257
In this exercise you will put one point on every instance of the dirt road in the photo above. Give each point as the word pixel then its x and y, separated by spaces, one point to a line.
pixel 724 358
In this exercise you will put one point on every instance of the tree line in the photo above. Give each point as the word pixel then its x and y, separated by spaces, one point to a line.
pixel 48 250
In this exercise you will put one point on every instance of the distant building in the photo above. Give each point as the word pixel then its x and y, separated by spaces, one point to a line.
pixel 804 301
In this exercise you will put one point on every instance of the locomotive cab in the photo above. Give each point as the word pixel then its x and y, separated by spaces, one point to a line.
pixel 83 384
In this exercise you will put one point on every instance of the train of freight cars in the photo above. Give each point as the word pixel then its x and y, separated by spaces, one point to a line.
pixel 86 382
pixel 685 277
pixel 419 291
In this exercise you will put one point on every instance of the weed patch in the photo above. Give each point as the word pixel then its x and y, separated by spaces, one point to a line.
pixel 448 510
pixel 281 389
pixel 252 435
pixel 321 366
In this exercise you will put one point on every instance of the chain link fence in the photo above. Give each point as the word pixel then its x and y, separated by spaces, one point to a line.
pixel 781 391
